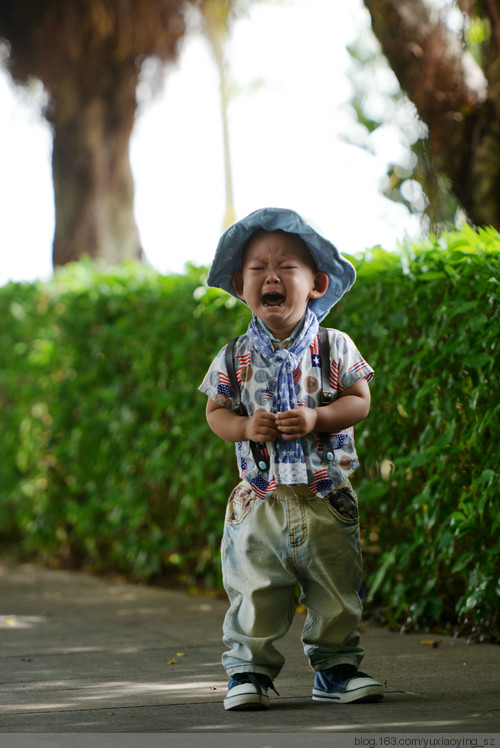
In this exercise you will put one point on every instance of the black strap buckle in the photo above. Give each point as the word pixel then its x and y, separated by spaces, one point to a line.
pixel 326 397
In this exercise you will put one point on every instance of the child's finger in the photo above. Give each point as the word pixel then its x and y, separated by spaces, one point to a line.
pixel 284 418
pixel 288 422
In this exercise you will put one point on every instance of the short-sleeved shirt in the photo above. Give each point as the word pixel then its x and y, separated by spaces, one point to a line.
pixel 255 376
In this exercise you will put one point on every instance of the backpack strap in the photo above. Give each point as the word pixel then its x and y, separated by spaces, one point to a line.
pixel 326 396
pixel 324 349
pixel 235 385
pixel 261 460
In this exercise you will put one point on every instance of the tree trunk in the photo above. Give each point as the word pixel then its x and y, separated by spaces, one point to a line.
pixel 452 97
pixel 93 185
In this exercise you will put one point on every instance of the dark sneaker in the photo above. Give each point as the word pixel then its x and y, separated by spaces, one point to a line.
pixel 344 683
pixel 248 691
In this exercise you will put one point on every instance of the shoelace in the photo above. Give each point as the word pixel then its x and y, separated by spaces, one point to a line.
pixel 258 680
pixel 344 673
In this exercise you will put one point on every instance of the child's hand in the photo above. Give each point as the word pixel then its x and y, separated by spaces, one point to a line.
pixel 261 427
pixel 293 424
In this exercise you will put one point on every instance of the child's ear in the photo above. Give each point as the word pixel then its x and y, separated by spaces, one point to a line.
pixel 238 284
pixel 320 287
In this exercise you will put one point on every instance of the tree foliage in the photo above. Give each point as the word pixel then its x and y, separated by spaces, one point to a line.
pixel 453 78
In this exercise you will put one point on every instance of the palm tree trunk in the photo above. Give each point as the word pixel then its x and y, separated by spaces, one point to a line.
pixel 230 214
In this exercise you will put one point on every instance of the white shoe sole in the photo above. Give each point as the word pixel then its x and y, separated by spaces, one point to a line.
pixel 245 696
pixel 363 693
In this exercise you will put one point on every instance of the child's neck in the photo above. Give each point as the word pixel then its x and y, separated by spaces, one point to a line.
pixel 286 342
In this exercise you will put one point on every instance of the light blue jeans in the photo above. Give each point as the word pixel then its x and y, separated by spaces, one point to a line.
pixel 271 545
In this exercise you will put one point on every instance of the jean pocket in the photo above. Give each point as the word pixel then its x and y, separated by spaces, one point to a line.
pixel 344 504
pixel 239 504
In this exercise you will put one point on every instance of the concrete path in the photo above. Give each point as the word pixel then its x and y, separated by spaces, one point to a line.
pixel 86 655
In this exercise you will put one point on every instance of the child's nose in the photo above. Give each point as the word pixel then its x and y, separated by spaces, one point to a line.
pixel 272 276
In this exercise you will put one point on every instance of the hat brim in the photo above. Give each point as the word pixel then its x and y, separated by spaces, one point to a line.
pixel 226 263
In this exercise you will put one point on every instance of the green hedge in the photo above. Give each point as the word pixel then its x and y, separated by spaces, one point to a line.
pixel 107 462
pixel 429 324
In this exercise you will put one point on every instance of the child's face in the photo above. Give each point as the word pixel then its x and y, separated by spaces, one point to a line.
pixel 277 279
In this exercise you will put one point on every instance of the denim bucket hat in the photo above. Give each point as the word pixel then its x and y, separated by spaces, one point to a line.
pixel 328 259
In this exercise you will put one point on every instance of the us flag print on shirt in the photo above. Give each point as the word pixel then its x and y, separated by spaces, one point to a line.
pixel 321 481
pixel 315 353
pixel 224 387
pixel 243 368
pixel 334 375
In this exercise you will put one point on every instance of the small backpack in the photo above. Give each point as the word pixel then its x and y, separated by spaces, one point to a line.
pixel 326 396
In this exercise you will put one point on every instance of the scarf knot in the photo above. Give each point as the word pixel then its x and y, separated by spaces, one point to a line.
pixel 285 361
pixel 284 357
pixel 283 354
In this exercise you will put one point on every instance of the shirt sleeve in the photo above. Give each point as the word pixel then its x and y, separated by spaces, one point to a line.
pixel 348 365
pixel 216 383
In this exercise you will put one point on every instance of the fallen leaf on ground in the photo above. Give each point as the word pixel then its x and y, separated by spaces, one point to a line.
pixel 431 642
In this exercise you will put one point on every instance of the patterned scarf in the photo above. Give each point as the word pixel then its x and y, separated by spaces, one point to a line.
pixel 289 465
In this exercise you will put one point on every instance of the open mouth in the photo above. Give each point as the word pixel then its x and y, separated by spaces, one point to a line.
pixel 273 299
